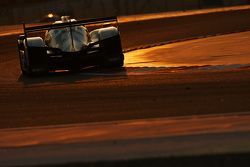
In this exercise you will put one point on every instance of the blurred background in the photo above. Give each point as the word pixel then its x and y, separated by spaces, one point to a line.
pixel 18 11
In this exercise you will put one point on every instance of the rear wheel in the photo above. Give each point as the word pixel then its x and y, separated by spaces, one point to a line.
pixel 22 55
pixel 32 56
pixel 110 45
pixel 23 64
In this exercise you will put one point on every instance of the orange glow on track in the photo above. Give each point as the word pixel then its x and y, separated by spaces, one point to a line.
pixel 220 50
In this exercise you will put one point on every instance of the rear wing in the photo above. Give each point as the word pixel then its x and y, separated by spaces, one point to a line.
pixel 68 24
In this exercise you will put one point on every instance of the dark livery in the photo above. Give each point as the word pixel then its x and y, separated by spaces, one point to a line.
pixel 103 48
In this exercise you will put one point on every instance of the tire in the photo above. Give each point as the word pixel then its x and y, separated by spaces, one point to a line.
pixel 27 67
pixel 111 47
pixel 23 64
pixel 22 56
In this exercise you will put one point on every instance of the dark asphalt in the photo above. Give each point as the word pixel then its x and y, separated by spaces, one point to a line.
pixel 77 98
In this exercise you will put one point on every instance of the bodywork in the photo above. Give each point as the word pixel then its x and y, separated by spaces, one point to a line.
pixel 103 48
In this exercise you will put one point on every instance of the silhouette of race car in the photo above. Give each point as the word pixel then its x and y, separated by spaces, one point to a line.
pixel 68 45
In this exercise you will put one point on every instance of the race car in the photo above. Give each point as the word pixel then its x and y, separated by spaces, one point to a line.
pixel 68 45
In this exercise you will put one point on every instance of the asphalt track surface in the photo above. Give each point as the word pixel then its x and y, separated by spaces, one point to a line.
pixel 189 136
pixel 96 95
